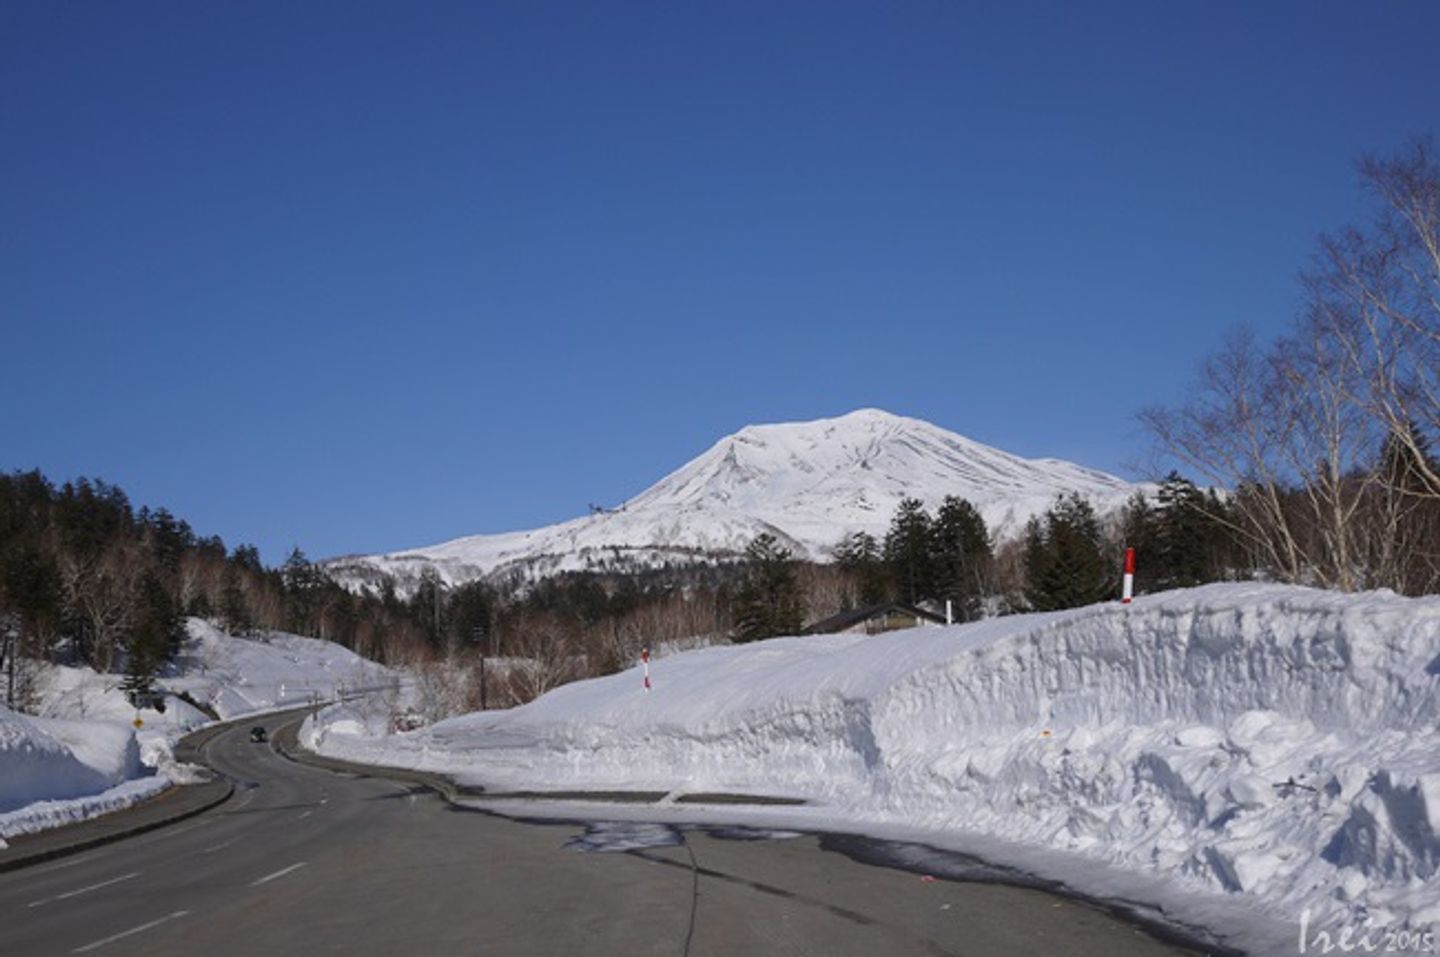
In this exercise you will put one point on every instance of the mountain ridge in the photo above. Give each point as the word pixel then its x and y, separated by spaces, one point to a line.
pixel 807 483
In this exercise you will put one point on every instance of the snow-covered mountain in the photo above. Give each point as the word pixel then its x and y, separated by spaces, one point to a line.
pixel 807 483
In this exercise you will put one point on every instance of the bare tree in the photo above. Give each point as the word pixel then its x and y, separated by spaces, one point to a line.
pixel 1298 433
pixel 544 660
pixel 100 592
pixel 1376 295
pixel 1230 432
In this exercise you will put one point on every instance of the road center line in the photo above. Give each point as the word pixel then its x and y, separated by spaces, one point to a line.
pixel 126 933
pixel 219 847
pixel 84 890
pixel 280 873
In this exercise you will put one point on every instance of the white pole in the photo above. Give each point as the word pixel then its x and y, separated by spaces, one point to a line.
pixel 645 660
pixel 949 612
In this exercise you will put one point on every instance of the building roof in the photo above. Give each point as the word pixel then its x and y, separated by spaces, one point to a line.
pixel 849 619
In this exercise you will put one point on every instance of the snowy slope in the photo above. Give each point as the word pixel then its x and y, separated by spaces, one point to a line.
pixel 808 483
pixel 237 676
pixel 81 756
pixel 1258 743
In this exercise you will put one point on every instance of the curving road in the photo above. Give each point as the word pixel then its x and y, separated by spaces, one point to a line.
pixel 307 861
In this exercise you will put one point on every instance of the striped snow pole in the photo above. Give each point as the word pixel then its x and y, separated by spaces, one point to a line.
pixel 1129 588
pixel 645 661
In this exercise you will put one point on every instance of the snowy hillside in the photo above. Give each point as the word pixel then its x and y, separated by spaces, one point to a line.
pixel 81 756
pixel 808 483
pixel 1266 744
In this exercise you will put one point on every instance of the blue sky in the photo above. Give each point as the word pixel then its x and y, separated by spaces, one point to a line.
pixel 364 276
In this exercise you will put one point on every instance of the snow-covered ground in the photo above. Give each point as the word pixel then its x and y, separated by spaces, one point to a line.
pixel 81 754
pixel 1226 753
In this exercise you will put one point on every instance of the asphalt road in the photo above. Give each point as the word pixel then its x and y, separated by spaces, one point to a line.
pixel 307 861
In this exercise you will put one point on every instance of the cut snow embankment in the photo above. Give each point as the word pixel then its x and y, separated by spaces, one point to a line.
pixel 56 771
pixel 81 756
pixel 1271 744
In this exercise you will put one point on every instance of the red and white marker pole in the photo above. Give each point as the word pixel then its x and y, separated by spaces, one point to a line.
pixel 645 661
pixel 1129 588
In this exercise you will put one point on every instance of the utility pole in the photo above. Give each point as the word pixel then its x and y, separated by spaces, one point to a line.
pixel 437 608
pixel 481 632
pixel 7 655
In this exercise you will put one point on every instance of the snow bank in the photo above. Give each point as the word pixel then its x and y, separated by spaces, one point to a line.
pixel 81 756
pixel 35 764
pixel 53 771
pixel 1274 744
pixel 45 814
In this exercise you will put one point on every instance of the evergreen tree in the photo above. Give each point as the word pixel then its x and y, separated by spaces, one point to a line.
pixel 1065 559
pixel 30 591
pixel 427 607
pixel 963 558
pixel 167 537
pixel 769 602
pixel 859 554
pixel 303 583
pixel 247 558
pixel 1140 529
pixel 1183 553
pixel 154 639
pixel 234 609
pixel 909 551
pixel 468 618
pixel 1180 540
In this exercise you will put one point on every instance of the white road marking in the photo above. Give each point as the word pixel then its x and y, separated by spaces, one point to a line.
pixel 126 933
pixel 219 847
pixel 82 859
pixel 280 873
pixel 305 815
pixel 84 890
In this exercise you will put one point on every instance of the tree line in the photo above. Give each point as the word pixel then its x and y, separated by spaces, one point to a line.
pixel 88 579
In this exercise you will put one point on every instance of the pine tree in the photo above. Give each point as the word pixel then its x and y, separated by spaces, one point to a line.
pixel 1140 530
pixel 233 608
pixel 1183 549
pixel 469 617
pixel 859 554
pixel 427 607
pixel 1065 558
pixel 909 551
pixel 769 602
pixel 154 639
pixel 963 558
pixel 302 582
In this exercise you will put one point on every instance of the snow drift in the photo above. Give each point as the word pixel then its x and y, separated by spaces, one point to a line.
pixel 1275 744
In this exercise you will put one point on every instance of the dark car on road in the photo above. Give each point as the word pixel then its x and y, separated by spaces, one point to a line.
pixel 257 734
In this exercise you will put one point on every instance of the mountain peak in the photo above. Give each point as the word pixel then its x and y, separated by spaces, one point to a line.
pixel 808 483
